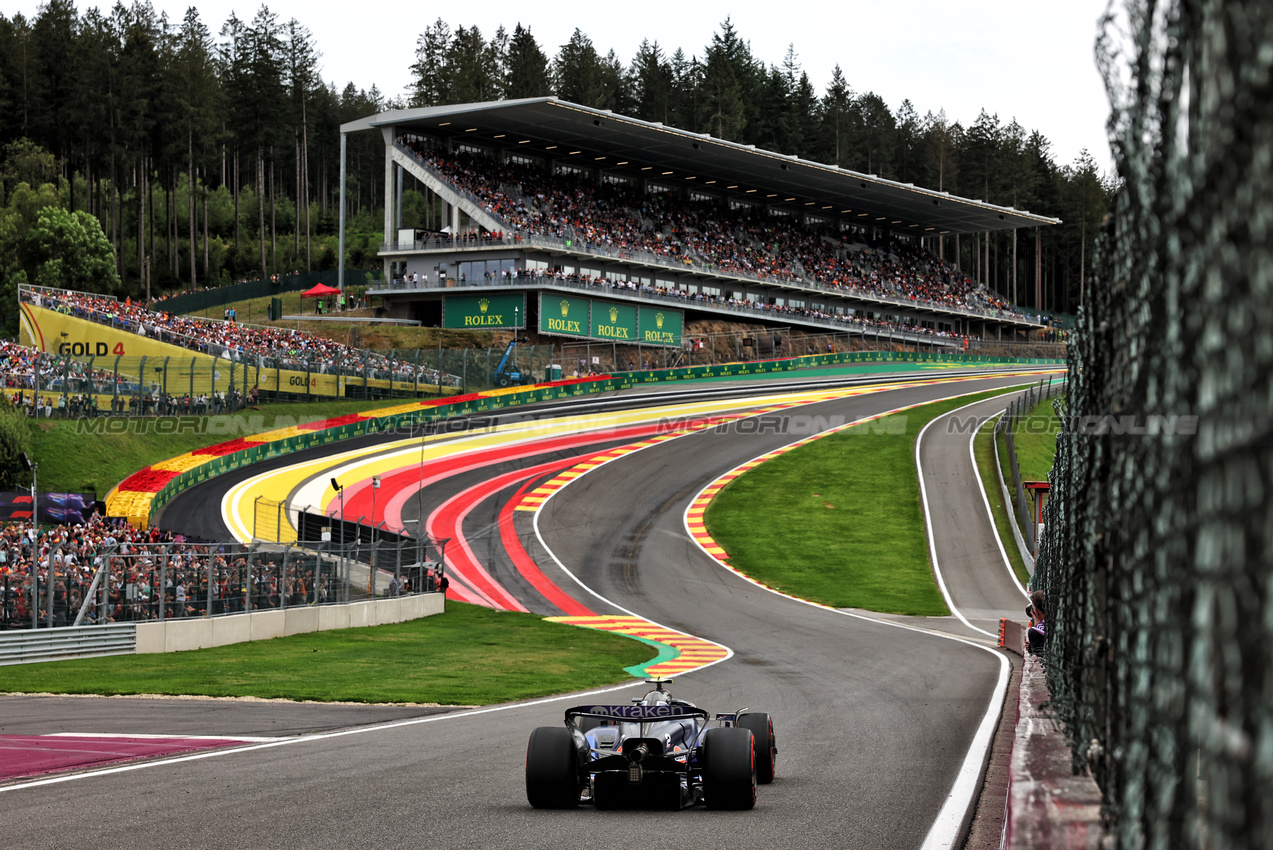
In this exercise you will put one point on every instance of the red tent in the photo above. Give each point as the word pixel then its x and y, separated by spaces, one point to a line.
pixel 319 290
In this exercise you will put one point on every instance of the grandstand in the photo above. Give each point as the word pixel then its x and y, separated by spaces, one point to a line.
pixel 579 223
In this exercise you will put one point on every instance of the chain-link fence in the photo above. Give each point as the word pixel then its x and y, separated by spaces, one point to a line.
pixel 1157 555
pixel 139 582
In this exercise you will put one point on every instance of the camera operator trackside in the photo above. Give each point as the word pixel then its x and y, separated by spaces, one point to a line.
pixel 658 752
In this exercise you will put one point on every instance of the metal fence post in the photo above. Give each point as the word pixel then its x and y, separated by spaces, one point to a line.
pixel 163 585
pixel 54 557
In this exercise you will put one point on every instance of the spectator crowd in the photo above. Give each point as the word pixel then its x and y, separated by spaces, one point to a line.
pixel 262 346
pixel 48 386
pixel 750 242
pixel 149 574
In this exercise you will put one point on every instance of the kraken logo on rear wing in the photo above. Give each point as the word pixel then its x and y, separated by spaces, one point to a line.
pixel 637 713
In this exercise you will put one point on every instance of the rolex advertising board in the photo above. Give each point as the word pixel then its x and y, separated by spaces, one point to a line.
pixel 495 310
pixel 659 325
pixel 614 322
pixel 562 315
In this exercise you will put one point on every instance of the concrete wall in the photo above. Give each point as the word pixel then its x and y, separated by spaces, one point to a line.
pixel 177 635
pixel 1049 806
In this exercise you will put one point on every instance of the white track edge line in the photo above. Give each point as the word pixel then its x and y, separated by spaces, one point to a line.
pixel 944 833
pixel 302 739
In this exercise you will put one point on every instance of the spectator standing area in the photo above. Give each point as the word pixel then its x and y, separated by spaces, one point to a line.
pixel 582 224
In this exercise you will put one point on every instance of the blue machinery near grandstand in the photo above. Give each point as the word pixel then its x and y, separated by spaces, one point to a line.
pixel 482 249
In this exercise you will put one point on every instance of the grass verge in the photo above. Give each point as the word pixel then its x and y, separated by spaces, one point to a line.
pixel 379 337
pixel 468 656
pixel 843 524
pixel 1035 437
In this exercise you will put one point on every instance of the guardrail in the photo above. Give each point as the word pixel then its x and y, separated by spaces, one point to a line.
pixel 25 647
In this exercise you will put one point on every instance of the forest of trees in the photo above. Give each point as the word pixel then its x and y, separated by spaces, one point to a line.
pixel 209 151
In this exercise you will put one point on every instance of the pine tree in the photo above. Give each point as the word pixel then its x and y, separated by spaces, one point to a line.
pixel 429 70
pixel 526 67
pixel 720 109
pixel 940 143
pixel 471 72
pixel 835 122
pixel 742 86
pixel 302 78
pixel 877 135
pixel 651 76
pixel 906 157
pixel 578 74
pixel 262 102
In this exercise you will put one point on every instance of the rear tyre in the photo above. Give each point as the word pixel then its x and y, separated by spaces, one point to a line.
pixel 729 768
pixel 762 728
pixel 502 381
pixel 552 769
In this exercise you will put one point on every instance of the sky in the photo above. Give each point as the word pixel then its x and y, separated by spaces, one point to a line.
pixel 1028 61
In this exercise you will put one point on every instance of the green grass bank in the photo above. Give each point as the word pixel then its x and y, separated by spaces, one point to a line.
pixel 843 524
pixel 468 656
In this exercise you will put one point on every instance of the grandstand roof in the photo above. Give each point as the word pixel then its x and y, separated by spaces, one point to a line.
pixel 554 128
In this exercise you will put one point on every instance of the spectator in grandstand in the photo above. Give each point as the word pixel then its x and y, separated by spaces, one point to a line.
pixel 742 241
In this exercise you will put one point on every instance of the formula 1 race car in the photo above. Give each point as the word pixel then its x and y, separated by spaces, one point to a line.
pixel 658 752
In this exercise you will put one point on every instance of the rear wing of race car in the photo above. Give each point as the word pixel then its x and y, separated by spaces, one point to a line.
pixel 637 713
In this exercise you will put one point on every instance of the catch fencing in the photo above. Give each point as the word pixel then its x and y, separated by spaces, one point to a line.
pixel 143 582
pixel 1157 554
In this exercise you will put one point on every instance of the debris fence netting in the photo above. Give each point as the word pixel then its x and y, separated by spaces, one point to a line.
pixel 1158 544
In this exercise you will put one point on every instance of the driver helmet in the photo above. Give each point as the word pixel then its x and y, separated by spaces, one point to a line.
pixel 658 698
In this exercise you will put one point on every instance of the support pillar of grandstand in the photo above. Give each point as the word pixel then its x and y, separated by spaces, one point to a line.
pixel 397 207
pixel 340 260
pixel 392 200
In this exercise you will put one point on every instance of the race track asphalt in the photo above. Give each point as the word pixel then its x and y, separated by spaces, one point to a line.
pixel 873 720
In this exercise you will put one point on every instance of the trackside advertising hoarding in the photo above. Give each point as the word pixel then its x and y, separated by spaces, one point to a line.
pixel 615 322
pixel 496 310
pixel 660 326
pixel 562 315
pixel 609 321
